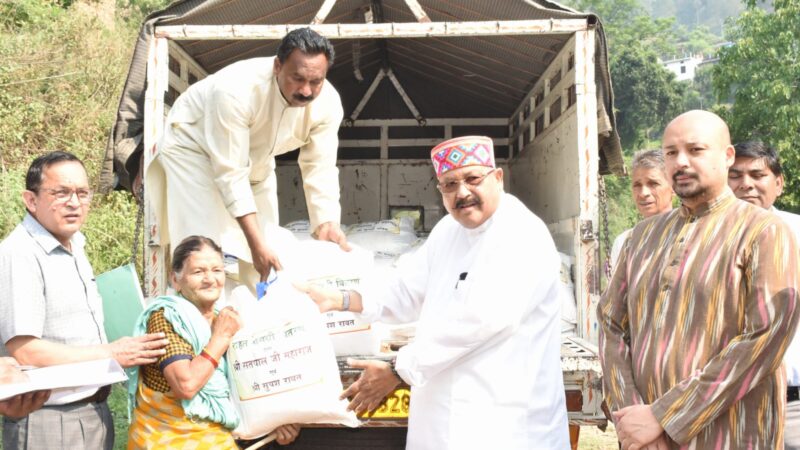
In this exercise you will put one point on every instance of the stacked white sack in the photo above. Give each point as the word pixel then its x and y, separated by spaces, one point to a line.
pixel 386 239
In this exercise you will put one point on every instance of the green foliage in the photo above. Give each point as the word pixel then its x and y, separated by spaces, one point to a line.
pixel 59 82
pixel 21 13
pixel 12 183
pixel 622 212
pixel 762 72
pixel 138 9
pixel 700 40
pixel 118 404
pixel 646 95
pixel 699 92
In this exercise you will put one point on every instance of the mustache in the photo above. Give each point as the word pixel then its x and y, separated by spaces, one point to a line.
pixel 303 98
pixel 683 173
pixel 460 203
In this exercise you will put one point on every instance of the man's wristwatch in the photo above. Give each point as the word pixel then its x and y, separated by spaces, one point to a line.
pixel 345 300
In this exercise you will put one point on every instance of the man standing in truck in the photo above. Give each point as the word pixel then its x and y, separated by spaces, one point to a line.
pixel 484 367
pixel 214 172
pixel 700 310
pixel 757 177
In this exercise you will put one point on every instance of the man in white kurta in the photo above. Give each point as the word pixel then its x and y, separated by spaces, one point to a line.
pixel 484 367
pixel 757 177
pixel 215 163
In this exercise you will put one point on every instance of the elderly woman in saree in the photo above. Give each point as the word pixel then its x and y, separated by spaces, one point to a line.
pixel 182 400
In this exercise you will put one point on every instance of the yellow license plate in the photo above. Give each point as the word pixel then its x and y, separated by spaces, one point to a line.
pixel 394 407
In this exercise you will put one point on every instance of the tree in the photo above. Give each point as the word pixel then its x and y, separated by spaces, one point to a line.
pixel 762 70
pixel 699 92
pixel 646 94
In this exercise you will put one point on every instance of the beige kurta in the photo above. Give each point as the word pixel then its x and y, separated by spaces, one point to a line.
pixel 216 159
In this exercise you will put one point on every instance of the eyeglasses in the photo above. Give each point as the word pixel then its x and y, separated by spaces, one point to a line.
pixel 471 181
pixel 65 195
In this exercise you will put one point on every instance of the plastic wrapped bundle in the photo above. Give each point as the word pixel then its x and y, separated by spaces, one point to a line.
pixel 387 239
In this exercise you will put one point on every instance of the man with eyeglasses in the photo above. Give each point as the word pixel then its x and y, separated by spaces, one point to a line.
pixel 484 368
pixel 51 310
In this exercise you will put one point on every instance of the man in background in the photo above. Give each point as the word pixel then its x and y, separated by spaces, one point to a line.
pixel 757 177
pixel 651 191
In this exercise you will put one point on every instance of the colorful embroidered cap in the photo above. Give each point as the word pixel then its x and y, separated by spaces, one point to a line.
pixel 462 151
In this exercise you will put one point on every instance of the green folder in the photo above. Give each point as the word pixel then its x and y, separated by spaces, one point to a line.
pixel 122 300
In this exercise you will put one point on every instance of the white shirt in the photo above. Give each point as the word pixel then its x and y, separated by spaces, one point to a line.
pixel 792 356
pixel 219 147
pixel 484 367
pixel 48 292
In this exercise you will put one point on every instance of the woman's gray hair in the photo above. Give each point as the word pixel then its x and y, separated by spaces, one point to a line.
pixel 648 159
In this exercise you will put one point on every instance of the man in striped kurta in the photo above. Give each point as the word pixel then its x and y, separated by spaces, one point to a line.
pixel 700 309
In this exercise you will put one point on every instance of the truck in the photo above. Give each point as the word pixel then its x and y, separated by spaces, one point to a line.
pixel 532 75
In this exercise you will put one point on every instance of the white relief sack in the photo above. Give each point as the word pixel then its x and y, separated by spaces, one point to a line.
pixel 325 264
pixel 282 365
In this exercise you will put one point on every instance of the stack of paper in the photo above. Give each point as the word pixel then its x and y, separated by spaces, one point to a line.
pixel 67 379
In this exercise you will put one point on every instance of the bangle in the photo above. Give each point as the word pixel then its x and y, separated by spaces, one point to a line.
pixel 210 358
pixel 345 300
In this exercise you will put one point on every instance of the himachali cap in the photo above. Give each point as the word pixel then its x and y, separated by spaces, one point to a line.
pixel 462 151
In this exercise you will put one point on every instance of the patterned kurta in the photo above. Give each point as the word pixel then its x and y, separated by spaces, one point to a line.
pixel 695 322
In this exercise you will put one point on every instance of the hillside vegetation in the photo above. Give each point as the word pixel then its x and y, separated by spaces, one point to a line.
pixel 61 73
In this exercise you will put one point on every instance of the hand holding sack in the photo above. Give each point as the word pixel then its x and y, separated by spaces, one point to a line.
pixel 282 364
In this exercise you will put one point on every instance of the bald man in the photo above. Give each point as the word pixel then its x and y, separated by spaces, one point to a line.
pixel 700 310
